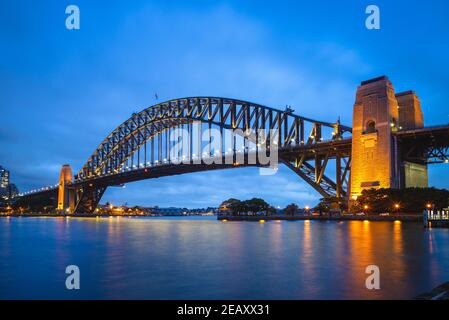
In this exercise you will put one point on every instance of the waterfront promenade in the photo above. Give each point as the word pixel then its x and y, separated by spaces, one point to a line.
pixel 225 218
pixel 400 217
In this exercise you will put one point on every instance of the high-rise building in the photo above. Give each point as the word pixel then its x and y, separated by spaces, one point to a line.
pixel 4 177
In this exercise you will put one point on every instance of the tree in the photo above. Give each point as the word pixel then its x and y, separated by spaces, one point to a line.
pixel 234 205
pixel 229 202
pixel 410 200
pixel 238 207
pixel 255 205
pixel 331 203
pixel 271 210
pixel 291 209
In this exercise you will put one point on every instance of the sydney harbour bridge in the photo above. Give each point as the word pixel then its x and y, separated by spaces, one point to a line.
pixel 387 146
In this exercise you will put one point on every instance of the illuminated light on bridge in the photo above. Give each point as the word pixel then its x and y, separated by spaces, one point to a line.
pixel 379 154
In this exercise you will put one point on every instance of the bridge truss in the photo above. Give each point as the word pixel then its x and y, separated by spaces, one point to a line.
pixel 208 133
pixel 145 141
pixel 428 145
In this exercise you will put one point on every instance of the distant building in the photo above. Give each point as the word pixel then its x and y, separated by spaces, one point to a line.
pixel 4 178
pixel 153 211
pixel 171 211
pixel 13 190
pixel 202 211
pixel 7 189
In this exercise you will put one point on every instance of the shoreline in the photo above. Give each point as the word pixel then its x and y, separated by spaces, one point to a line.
pixel 86 215
pixel 391 218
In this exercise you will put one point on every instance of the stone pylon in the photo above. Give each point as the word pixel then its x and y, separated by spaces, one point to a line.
pixel 379 113
pixel 65 194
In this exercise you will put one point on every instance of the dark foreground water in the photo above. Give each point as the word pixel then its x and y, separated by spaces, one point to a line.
pixel 201 258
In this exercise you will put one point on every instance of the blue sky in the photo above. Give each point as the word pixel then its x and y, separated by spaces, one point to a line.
pixel 62 92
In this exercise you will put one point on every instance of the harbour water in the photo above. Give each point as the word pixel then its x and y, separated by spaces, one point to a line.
pixel 202 258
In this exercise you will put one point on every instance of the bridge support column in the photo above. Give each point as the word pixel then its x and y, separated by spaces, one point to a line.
pixel 87 198
pixel 376 152
pixel 374 155
pixel 66 195
pixel 413 174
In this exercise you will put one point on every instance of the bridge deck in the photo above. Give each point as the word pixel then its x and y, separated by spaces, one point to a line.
pixel 425 145
pixel 426 131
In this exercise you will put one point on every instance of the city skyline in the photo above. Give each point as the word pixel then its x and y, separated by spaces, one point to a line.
pixel 96 77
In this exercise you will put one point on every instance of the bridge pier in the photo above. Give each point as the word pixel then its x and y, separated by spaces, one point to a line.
pixel 66 194
pixel 387 149
pixel 87 198
pixel 378 115
pixel 412 174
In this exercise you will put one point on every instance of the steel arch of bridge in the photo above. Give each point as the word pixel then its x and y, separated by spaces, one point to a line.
pixel 306 146
pixel 226 113
pixel 299 140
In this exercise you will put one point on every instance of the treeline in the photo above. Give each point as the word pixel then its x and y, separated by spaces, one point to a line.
pixel 410 200
pixel 254 205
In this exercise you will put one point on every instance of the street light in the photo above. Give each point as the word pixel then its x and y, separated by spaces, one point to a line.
pixel 397 206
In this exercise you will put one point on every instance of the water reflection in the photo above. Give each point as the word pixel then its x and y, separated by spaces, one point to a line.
pixel 397 237
pixel 188 258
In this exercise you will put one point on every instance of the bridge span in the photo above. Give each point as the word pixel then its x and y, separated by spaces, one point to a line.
pixel 387 146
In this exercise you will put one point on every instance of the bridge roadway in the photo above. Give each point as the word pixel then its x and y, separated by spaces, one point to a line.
pixel 424 145
pixel 306 154
pixel 328 148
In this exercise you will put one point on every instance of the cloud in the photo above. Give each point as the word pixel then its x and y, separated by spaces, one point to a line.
pixel 100 78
